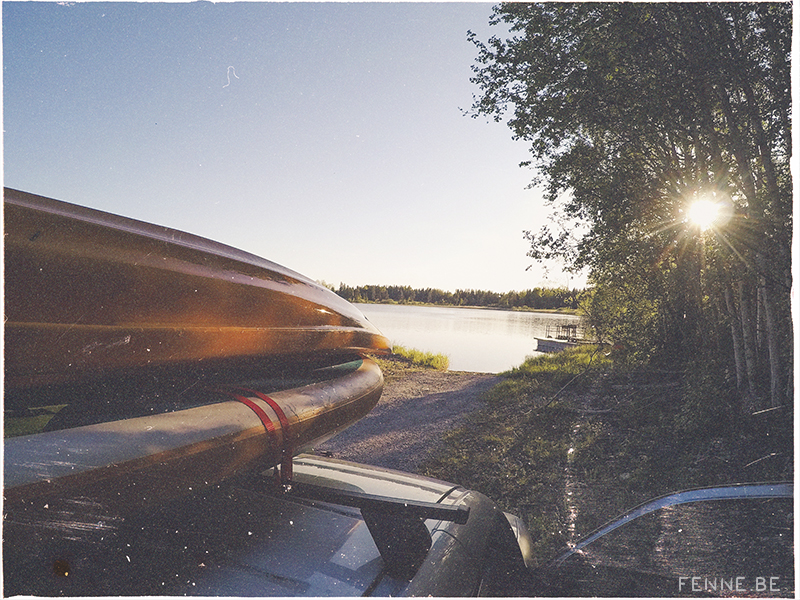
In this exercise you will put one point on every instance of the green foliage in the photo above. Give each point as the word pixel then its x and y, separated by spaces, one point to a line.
pixel 424 359
pixel 559 365
pixel 622 314
pixel 709 408
pixel 632 111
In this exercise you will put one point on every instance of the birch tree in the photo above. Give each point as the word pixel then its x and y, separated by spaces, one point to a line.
pixel 632 112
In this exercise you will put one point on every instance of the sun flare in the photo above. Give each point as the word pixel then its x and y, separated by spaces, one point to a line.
pixel 704 213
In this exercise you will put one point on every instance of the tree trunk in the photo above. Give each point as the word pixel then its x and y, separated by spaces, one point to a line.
pixel 739 148
pixel 748 338
pixel 760 335
pixel 736 333
pixel 773 344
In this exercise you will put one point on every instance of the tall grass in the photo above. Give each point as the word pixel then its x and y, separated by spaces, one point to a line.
pixel 424 359
pixel 548 374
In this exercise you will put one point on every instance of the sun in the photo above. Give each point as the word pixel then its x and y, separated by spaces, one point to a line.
pixel 704 213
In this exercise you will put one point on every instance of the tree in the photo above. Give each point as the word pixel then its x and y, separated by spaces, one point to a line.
pixel 632 110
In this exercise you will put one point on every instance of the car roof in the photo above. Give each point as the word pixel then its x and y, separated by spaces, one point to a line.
pixel 243 538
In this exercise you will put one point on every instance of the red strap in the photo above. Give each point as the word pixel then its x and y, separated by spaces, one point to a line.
pixel 256 409
pixel 286 463
pixel 286 450
pixel 275 406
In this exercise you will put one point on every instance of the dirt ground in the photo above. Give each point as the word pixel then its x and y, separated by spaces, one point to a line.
pixel 417 407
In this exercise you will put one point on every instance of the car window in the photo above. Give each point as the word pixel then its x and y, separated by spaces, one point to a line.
pixel 711 548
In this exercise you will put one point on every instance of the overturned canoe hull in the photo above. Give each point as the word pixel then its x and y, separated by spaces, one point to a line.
pixel 88 293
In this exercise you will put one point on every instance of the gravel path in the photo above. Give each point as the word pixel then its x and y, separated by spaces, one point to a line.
pixel 414 412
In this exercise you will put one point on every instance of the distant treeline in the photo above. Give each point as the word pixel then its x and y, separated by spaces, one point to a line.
pixel 537 298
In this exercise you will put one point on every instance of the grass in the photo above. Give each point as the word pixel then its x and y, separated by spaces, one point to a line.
pixel 35 422
pixel 620 436
pixel 429 360
pixel 515 449
pixel 546 375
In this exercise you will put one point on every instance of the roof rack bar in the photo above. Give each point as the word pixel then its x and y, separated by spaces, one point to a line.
pixel 371 502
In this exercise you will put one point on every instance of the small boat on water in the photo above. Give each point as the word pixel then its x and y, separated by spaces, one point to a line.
pixel 559 337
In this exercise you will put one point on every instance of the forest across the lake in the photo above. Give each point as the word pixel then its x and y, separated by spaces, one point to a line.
pixel 536 298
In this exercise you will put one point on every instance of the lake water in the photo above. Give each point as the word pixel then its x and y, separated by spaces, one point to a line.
pixel 479 340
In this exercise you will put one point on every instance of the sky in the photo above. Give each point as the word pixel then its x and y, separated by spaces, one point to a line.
pixel 327 137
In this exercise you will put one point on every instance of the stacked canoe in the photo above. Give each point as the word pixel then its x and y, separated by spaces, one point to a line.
pixel 143 362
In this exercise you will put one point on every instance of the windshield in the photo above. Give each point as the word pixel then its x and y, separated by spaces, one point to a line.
pixel 718 548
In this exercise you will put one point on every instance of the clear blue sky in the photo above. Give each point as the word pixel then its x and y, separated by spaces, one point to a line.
pixel 326 137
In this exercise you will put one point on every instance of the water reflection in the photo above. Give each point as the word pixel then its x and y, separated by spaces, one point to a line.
pixel 478 340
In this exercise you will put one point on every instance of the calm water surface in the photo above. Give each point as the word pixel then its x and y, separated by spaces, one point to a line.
pixel 480 340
